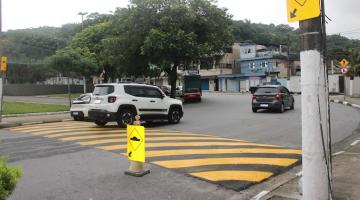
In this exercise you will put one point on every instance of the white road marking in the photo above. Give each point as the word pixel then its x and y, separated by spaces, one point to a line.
pixel 260 195
pixel 338 153
pixel 355 142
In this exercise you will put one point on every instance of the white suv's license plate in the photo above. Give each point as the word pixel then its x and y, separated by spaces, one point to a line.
pixel 264 105
pixel 75 113
pixel 97 101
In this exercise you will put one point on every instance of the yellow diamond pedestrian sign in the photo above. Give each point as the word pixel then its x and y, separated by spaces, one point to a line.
pixel 298 10
pixel 136 143
pixel 344 63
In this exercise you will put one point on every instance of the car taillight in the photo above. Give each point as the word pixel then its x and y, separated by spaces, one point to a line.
pixel 253 97
pixel 111 99
pixel 277 96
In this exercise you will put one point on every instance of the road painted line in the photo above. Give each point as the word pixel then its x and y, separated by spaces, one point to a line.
pixel 338 153
pixel 188 144
pixel 53 123
pixel 53 134
pixel 45 127
pixel 175 164
pixel 355 143
pixel 32 123
pixel 152 132
pixel 147 139
pixel 106 141
pixel 299 173
pixel 151 154
pixel 356 106
pixel 233 175
pixel 260 195
pixel 90 130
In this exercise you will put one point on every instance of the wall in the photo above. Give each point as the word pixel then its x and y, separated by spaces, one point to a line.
pixel 31 89
pixel 247 51
pixel 334 83
pixel 256 66
pixel 294 84
pixel 283 81
pixel 355 86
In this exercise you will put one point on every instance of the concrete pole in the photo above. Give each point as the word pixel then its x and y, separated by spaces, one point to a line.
pixel 351 87
pixel 2 77
pixel 69 90
pixel 1 94
pixel 332 67
pixel 84 79
pixel 315 126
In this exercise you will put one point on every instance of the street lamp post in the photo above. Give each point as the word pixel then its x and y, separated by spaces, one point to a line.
pixel 82 18
pixel 2 74
pixel 82 28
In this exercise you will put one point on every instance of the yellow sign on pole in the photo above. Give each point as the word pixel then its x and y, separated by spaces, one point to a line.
pixel 136 143
pixel 298 10
pixel 344 63
pixel 3 63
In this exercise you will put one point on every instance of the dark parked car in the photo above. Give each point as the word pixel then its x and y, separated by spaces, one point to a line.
pixel 192 94
pixel 272 97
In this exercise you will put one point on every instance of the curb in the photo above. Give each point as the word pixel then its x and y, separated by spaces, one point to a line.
pixel 14 124
pixel 345 103
pixel 35 114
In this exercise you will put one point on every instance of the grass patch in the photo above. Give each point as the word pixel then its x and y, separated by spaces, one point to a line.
pixel 65 96
pixel 21 108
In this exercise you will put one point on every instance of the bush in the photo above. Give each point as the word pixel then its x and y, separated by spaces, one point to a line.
pixel 9 176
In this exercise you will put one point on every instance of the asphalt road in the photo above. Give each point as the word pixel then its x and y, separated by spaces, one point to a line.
pixel 230 115
pixel 64 170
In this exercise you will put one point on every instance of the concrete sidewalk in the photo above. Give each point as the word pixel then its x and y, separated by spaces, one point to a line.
pixel 346 165
pixel 16 121
pixel 37 99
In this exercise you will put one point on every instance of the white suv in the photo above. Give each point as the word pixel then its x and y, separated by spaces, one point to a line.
pixel 121 102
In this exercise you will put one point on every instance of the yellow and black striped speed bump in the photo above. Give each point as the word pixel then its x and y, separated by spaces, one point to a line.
pixel 233 163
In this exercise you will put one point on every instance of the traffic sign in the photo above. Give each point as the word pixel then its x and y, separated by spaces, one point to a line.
pixel 344 63
pixel 344 70
pixel 298 10
pixel 136 143
pixel 3 63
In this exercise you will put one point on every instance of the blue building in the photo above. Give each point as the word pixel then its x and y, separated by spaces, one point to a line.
pixel 257 64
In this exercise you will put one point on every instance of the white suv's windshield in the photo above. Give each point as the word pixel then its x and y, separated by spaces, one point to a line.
pixel 103 90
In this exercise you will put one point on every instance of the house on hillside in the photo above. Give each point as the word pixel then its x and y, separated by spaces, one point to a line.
pixel 257 64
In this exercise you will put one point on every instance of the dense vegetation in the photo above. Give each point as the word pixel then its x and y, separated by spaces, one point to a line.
pixel 146 38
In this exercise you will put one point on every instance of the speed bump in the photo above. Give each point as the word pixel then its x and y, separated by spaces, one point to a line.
pixel 233 163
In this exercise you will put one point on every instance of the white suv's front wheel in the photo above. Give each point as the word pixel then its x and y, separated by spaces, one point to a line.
pixel 125 117
pixel 174 115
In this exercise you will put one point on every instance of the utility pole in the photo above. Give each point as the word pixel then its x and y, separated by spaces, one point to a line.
pixel 2 76
pixel 82 19
pixel 288 57
pixel 315 112
pixel 0 17
pixel 82 28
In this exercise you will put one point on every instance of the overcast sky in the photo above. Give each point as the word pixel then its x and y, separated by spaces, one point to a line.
pixel 18 14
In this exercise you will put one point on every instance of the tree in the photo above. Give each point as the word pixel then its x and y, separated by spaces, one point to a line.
pixel 76 60
pixel 92 38
pixel 354 63
pixel 170 33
